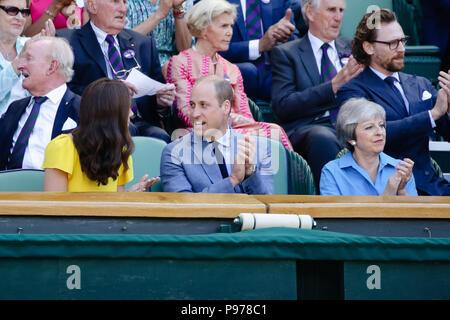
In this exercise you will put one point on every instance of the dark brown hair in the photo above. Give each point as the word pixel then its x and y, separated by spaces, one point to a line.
pixel 367 31
pixel 102 138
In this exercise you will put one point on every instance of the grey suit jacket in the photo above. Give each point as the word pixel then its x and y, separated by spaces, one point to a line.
pixel 298 96
pixel 188 165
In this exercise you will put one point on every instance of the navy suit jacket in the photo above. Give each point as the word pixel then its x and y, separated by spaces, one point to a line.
pixel 90 62
pixel 298 96
pixel 407 135
pixel 188 166
pixel 271 13
pixel 68 108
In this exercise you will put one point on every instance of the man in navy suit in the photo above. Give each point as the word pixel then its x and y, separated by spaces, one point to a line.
pixel 92 61
pixel 46 64
pixel 252 55
pixel 414 109
pixel 303 90
pixel 214 158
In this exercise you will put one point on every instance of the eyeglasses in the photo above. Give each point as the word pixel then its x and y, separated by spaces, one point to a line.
pixel 122 74
pixel 14 11
pixel 393 45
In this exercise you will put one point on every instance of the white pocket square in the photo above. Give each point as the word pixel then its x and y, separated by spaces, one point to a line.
pixel 69 125
pixel 426 95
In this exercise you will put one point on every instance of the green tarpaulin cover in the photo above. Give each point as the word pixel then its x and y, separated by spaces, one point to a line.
pixel 271 243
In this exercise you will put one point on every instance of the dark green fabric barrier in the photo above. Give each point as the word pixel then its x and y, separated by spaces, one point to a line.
pixel 272 243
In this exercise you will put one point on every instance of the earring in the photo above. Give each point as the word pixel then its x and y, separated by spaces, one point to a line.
pixel 353 143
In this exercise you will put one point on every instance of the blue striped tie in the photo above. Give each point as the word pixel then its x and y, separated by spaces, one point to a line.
pixel 16 158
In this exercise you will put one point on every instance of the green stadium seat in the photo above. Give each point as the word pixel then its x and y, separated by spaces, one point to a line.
pixel 355 10
pixel 147 159
pixel 256 113
pixel 22 180
pixel 292 174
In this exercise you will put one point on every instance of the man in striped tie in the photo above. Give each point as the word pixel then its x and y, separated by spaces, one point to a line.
pixel 306 76
pixel 29 124
pixel 104 48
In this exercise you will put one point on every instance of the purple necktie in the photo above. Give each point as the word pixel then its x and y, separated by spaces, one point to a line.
pixel 16 158
pixel 114 57
pixel 254 27
pixel 116 64
pixel 328 72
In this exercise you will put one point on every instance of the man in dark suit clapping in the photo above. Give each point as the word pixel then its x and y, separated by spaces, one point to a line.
pixel 306 74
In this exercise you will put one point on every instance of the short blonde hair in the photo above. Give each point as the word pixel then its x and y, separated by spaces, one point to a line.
pixel 200 16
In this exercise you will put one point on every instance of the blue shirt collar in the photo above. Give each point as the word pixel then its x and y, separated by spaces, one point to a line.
pixel 347 160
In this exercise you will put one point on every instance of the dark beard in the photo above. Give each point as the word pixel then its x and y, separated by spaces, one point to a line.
pixel 392 67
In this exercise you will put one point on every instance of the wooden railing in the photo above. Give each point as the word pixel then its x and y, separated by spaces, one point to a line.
pixel 179 205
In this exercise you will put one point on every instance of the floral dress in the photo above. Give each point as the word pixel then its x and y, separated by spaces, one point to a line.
pixel 164 33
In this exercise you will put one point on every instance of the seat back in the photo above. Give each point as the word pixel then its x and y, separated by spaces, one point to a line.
pixel 355 10
pixel 301 180
pixel 279 163
pixel 292 175
pixel 21 180
pixel 147 159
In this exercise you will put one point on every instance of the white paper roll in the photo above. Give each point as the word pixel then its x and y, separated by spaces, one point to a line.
pixel 251 221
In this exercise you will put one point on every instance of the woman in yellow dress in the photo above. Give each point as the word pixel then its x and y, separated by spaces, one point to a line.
pixel 96 156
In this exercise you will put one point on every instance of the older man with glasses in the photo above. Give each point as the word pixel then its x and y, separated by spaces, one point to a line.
pixel 414 108
pixel 103 48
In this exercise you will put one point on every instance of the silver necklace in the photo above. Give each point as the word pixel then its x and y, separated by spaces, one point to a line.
pixel 7 55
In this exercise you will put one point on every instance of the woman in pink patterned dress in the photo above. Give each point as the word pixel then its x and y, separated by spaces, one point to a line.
pixel 211 22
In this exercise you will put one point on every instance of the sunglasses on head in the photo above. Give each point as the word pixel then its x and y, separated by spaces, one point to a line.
pixel 14 11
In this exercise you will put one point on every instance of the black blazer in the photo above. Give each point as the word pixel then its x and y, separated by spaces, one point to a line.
pixel 90 63
pixel 68 108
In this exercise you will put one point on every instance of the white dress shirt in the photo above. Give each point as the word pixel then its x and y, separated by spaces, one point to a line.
pixel 42 131
pixel 101 38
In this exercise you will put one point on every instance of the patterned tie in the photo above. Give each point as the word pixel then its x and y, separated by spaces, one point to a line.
pixel 116 63
pixel 16 158
pixel 391 82
pixel 328 72
pixel 253 20
pixel 114 56
pixel 220 160
pixel 254 27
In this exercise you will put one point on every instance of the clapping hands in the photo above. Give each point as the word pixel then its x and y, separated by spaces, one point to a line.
pixel 397 182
